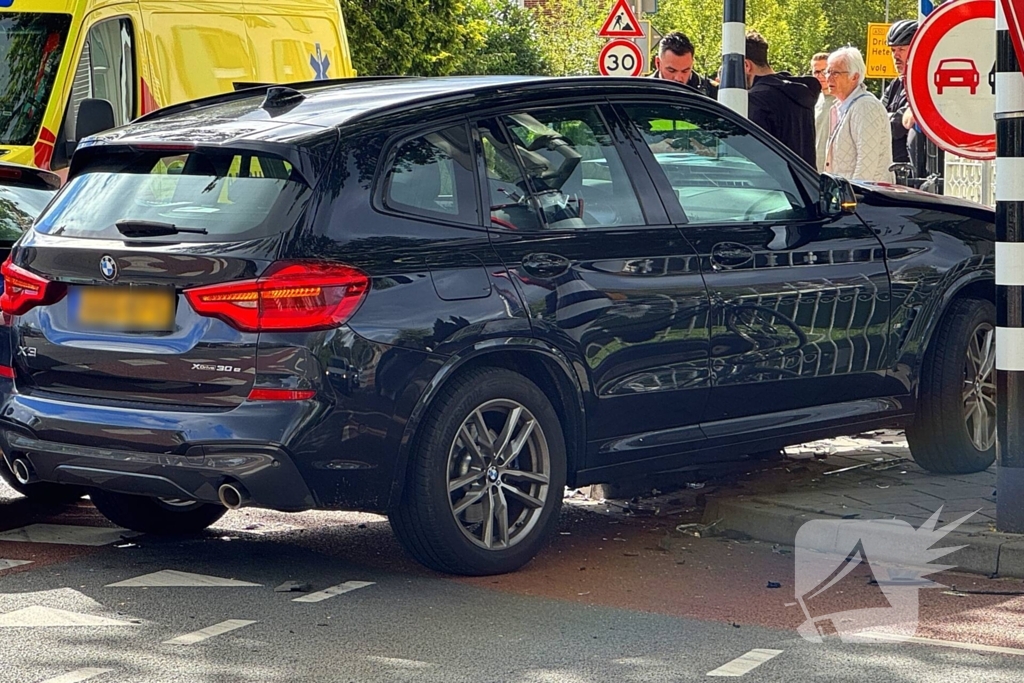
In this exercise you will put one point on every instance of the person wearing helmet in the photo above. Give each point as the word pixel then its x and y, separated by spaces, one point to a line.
pixel 900 35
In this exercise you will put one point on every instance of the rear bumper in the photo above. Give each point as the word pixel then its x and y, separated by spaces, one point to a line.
pixel 188 462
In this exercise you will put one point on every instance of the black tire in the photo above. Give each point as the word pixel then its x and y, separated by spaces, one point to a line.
pixel 44 493
pixel 427 521
pixel 943 437
pixel 155 516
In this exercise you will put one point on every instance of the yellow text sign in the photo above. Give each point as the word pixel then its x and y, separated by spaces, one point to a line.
pixel 879 57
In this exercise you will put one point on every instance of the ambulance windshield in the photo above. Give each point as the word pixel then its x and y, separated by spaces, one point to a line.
pixel 30 51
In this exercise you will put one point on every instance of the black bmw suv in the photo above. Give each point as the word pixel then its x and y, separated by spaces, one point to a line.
pixel 444 299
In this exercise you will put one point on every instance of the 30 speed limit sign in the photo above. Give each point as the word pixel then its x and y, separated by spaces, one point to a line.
pixel 621 58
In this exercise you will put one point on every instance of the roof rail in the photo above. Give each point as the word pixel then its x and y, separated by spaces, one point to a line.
pixel 244 90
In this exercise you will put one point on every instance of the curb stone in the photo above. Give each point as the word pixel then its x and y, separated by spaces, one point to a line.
pixel 987 553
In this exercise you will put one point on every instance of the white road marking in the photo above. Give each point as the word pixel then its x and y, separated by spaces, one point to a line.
pixel 402 663
pixel 209 632
pixel 64 534
pixel 77 676
pixel 36 617
pixel 171 577
pixel 943 643
pixel 334 590
pixel 746 663
pixel 8 564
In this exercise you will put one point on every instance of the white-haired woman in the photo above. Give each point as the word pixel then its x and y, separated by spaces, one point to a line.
pixel 860 142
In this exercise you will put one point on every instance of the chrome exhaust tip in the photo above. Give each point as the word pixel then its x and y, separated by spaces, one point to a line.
pixel 22 471
pixel 232 496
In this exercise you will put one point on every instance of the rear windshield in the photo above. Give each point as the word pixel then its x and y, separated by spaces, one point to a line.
pixel 31 46
pixel 210 197
pixel 19 206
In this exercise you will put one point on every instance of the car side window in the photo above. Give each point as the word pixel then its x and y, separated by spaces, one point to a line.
pixel 720 172
pixel 573 173
pixel 432 176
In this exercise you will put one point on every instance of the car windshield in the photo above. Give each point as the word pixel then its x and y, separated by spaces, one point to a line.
pixel 208 197
pixel 31 46
pixel 19 206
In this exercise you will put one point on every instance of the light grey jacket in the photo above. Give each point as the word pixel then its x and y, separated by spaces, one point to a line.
pixel 821 122
pixel 860 148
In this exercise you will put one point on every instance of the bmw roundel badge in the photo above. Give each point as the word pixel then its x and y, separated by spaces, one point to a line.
pixel 108 267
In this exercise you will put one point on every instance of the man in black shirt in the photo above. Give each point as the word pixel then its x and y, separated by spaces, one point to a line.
pixel 895 97
pixel 781 103
pixel 675 63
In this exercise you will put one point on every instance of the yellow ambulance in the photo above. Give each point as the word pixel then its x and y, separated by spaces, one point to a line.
pixel 126 58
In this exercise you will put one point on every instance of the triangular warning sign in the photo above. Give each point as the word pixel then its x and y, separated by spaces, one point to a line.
pixel 621 23
pixel 1014 14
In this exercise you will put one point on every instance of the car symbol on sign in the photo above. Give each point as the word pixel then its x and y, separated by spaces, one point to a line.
pixel 957 73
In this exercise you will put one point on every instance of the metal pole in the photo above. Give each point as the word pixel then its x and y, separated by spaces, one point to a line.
pixel 1009 281
pixel 732 91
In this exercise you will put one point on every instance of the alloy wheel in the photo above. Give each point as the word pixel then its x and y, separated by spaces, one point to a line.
pixel 979 388
pixel 498 474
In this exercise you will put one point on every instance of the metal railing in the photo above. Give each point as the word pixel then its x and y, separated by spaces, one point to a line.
pixel 971 180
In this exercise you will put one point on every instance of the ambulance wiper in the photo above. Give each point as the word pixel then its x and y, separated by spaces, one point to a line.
pixel 136 228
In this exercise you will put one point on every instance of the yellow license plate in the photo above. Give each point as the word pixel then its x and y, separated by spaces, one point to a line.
pixel 128 309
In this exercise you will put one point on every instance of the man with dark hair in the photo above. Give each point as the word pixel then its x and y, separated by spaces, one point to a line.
pixel 675 63
pixel 781 103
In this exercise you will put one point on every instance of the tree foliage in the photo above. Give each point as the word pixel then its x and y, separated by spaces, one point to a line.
pixel 411 37
pixel 568 34
pixel 510 44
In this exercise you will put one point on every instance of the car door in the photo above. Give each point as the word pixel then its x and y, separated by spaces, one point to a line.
pixel 799 302
pixel 603 272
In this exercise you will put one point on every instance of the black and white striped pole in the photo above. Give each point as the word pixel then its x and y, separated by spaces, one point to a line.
pixel 1009 281
pixel 732 91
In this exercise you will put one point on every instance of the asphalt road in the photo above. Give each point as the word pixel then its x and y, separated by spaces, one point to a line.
pixel 611 599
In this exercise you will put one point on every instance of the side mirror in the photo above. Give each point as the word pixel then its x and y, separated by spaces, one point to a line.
pixel 837 196
pixel 94 116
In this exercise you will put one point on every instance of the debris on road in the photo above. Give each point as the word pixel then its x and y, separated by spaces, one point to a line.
pixel 877 466
pixel 774 584
pixel 698 530
pixel 293 587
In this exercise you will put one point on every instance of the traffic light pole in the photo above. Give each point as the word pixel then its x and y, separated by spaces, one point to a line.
pixel 732 91
pixel 1009 281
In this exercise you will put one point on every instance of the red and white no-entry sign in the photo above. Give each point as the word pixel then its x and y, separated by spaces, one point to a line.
pixel 951 78
pixel 621 58
pixel 1013 10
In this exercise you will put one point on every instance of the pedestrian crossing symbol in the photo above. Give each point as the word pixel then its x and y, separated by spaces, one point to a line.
pixel 621 22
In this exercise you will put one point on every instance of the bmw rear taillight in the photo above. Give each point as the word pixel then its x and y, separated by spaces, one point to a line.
pixel 24 290
pixel 291 297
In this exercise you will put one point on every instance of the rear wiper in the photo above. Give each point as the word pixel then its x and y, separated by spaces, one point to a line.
pixel 134 228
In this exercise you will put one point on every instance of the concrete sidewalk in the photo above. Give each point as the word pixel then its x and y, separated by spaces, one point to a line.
pixel 773 504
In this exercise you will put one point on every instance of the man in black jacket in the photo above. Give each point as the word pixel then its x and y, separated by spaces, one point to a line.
pixel 780 103
pixel 900 36
pixel 675 63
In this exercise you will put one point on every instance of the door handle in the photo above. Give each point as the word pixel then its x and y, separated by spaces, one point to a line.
pixel 731 255
pixel 545 265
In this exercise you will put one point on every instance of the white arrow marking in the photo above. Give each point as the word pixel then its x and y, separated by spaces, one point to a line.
pixel 66 535
pixel 209 632
pixel 39 617
pixel 746 663
pixel 77 676
pixel 171 577
pixel 8 564
pixel 335 590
